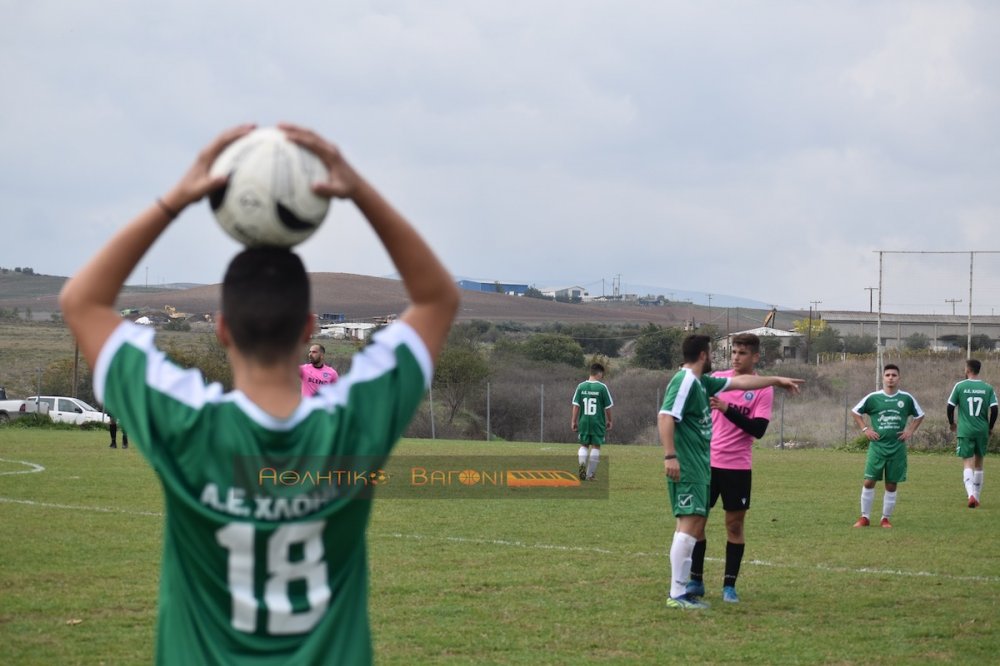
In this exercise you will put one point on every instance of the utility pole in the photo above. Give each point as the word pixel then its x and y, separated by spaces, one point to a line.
pixel 871 296
pixel 953 301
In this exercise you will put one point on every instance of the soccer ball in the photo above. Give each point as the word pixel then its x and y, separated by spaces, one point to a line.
pixel 268 199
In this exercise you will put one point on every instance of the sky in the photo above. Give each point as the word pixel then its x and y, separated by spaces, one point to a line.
pixel 766 150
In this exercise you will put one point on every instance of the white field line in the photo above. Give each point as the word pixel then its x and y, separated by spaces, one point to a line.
pixel 513 543
pixel 32 467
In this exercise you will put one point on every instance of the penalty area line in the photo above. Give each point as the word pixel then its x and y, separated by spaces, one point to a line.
pixel 515 543
pixel 512 543
pixel 72 507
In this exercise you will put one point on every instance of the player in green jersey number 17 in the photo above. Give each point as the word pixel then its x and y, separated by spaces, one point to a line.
pixel 975 401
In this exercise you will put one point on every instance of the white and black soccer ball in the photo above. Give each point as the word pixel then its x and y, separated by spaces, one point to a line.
pixel 268 200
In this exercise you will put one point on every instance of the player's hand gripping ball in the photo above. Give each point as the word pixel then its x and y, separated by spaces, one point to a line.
pixel 268 199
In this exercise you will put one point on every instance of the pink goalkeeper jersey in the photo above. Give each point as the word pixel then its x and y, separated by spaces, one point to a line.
pixel 731 446
pixel 313 377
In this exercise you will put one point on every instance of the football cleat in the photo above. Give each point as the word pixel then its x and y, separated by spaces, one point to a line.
pixel 686 602
pixel 695 588
pixel 729 595
pixel 863 522
pixel 583 472
pixel 885 522
pixel 973 502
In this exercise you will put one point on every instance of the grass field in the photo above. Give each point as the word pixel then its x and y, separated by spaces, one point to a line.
pixel 537 581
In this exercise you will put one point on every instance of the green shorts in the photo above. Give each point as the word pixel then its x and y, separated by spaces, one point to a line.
pixel 688 499
pixel 591 439
pixel 891 468
pixel 972 446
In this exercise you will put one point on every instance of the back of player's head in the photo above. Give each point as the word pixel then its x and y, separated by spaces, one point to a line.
pixel 974 366
pixel 596 369
pixel 890 366
pixel 748 340
pixel 265 300
pixel 693 346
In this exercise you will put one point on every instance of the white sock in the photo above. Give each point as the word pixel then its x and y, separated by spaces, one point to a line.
pixel 967 476
pixel 867 497
pixel 888 503
pixel 680 562
pixel 581 455
pixel 595 457
pixel 977 483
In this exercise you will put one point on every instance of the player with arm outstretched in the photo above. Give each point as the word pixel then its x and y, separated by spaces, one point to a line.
pixel 738 418
pixel 685 429
pixel 252 571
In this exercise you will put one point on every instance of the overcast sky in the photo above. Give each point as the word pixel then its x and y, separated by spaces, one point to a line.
pixel 758 149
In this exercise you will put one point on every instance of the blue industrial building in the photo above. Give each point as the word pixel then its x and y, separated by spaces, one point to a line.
pixel 494 287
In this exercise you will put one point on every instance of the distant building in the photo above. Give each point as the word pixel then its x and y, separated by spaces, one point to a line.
pixel 944 331
pixel 574 293
pixel 507 288
pixel 789 349
pixel 347 331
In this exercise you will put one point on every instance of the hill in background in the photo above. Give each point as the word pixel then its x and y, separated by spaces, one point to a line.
pixel 362 297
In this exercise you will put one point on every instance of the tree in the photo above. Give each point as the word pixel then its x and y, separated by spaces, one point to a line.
pixel 554 347
pixel 597 339
pixel 460 373
pixel 859 344
pixel 917 342
pixel 658 348
pixel 770 350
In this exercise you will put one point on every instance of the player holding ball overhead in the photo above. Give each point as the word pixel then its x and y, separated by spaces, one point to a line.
pixel 242 581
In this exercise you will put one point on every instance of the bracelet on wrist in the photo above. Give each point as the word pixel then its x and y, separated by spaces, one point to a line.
pixel 167 210
pixel 670 457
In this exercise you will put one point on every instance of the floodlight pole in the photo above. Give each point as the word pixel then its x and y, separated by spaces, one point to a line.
pixel 968 337
pixel 878 326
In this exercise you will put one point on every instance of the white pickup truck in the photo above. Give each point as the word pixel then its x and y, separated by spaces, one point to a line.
pixel 9 409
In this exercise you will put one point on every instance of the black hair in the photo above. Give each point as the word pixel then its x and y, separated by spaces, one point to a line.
pixel 596 368
pixel 891 366
pixel 974 365
pixel 693 346
pixel 265 300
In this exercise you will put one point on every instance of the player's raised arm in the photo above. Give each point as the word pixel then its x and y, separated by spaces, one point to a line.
pixel 751 382
pixel 432 292
pixel 87 300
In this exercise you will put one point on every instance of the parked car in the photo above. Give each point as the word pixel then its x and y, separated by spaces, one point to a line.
pixel 66 410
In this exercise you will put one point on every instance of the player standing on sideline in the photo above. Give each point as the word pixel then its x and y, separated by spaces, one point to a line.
pixel 685 428
pixel 591 419
pixel 889 411
pixel 316 372
pixel 113 428
pixel 243 580
pixel 972 396
pixel 738 418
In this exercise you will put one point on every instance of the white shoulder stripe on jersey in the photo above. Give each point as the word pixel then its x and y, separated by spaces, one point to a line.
pixel 687 381
pixel 188 386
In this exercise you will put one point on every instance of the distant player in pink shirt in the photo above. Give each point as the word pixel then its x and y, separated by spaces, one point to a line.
pixel 316 372
pixel 738 418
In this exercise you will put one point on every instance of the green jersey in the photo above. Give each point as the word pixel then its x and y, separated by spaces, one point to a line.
pixel 972 399
pixel 889 415
pixel 686 400
pixel 262 569
pixel 593 398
